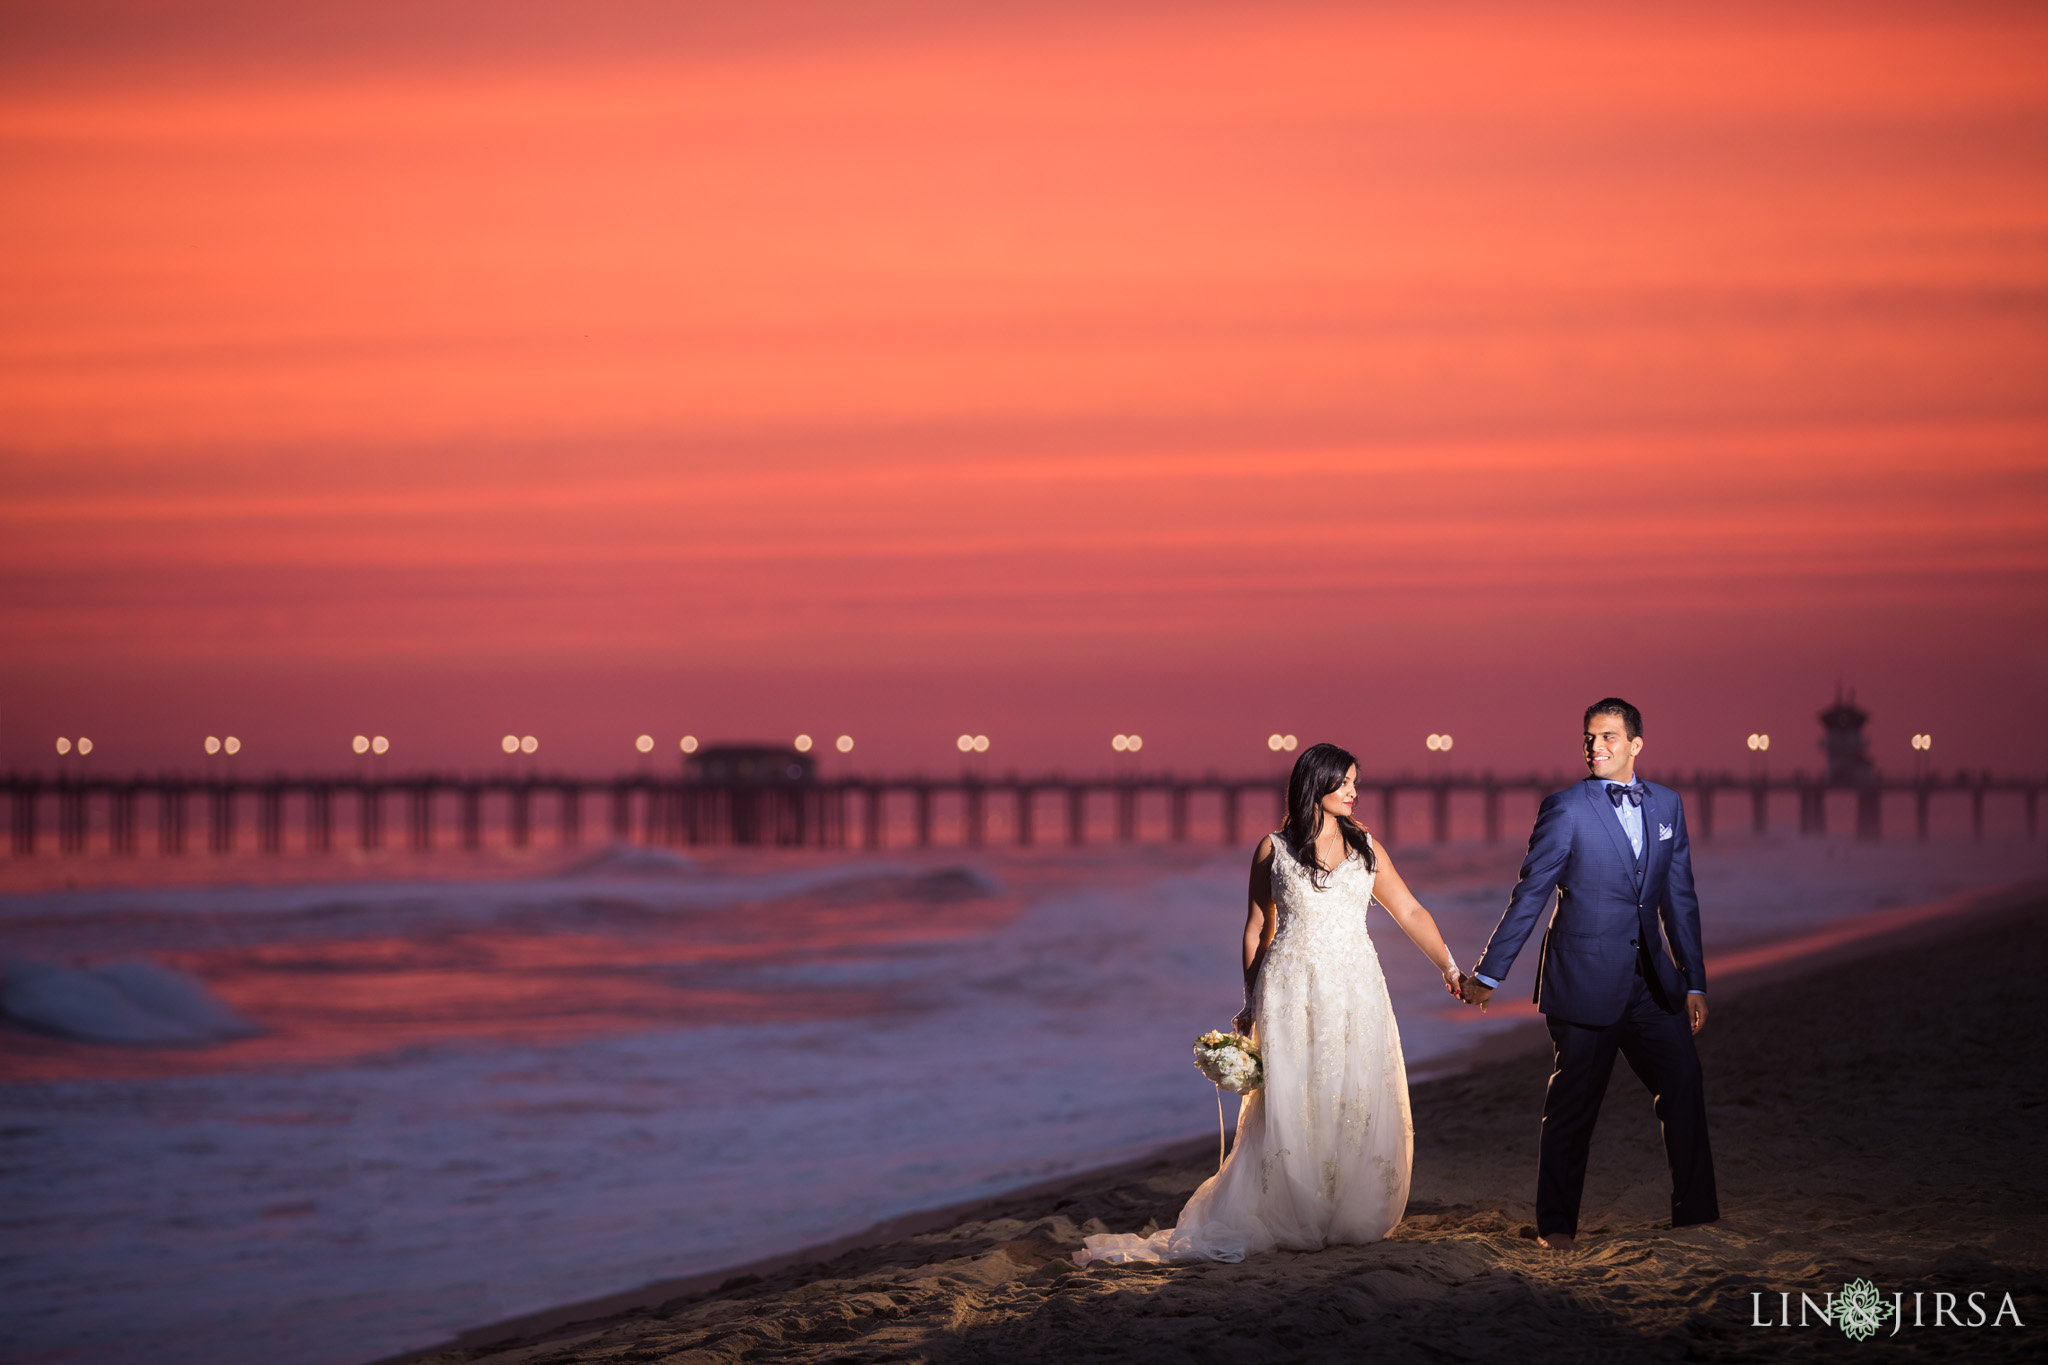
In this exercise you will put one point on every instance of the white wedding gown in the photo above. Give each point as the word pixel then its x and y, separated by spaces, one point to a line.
pixel 1323 1150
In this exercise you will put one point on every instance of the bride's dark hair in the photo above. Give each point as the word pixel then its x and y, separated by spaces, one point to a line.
pixel 1318 772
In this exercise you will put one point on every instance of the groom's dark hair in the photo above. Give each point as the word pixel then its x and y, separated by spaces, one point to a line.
pixel 1631 719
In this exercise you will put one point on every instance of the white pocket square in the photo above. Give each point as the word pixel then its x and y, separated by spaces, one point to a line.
pixel 1663 833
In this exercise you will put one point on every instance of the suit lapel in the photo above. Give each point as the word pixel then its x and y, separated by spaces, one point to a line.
pixel 1653 847
pixel 1603 811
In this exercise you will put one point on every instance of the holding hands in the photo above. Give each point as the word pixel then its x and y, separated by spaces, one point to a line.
pixel 1472 990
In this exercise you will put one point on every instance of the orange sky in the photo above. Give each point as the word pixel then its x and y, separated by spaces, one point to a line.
pixel 1042 370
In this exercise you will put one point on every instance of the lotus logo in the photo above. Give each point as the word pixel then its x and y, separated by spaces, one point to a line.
pixel 1860 1310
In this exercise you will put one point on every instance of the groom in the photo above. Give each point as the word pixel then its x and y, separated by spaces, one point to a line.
pixel 1620 969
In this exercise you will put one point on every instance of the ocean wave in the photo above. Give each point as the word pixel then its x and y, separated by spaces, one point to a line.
pixel 630 860
pixel 131 1003
pixel 939 886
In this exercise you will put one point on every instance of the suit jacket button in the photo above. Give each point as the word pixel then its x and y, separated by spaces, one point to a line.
pixel 1633 944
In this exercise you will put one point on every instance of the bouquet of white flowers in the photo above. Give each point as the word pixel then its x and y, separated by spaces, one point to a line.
pixel 1230 1061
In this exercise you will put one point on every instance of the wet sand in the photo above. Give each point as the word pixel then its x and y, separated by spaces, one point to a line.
pixel 1878 1118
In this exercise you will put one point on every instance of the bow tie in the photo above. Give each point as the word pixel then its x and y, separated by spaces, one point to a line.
pixel 1618 794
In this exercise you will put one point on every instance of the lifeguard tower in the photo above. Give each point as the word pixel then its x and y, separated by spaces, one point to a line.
pixel 1842 740
pixel 1849 765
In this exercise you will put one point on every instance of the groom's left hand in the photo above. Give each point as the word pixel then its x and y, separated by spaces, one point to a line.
pixel 1696 1010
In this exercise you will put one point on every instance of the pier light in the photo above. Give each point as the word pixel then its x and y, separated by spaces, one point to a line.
pixel 981 744
pixel 844 744
pixel 689 745
pixel 1274 742
pixel 64 745
pixel 380 745
pixel 213 744
pixel 1919 742
pixel 510 744
pixel 84 745
pixel 803 744
pixel 1288 742
pixel 1759 742
pixel 231 744
pixel 1119 743
pixel 1438 744
pixel 645 744
pixel 527 744
pixel 361 744
pixel 965 744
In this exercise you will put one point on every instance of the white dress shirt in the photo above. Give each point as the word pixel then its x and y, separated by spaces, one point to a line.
pixel 1629 813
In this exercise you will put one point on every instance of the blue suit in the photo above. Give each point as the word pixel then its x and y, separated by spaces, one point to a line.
pixel 1610 904
pixel 1619 954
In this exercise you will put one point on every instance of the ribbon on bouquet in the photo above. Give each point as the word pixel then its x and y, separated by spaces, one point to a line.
pixel 1219 1129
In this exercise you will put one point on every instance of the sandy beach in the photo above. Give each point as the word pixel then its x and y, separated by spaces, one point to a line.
pixel 1876 1119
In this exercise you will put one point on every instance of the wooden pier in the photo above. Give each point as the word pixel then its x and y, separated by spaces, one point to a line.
pixel 172 814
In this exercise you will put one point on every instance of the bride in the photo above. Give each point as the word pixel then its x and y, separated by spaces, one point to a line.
pixel 1322 1152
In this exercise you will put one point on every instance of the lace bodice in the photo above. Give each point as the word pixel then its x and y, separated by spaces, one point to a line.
pixel 1327 924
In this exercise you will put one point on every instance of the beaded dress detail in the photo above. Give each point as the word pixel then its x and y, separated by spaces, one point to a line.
pixel 1323 1151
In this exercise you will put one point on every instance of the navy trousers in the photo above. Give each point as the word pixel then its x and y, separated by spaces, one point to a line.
pixel 1659 1048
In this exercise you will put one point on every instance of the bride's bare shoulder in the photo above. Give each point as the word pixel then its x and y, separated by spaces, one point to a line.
pixel 1263 854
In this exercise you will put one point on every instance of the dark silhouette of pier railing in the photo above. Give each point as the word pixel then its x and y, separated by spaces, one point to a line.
pixel 109 814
